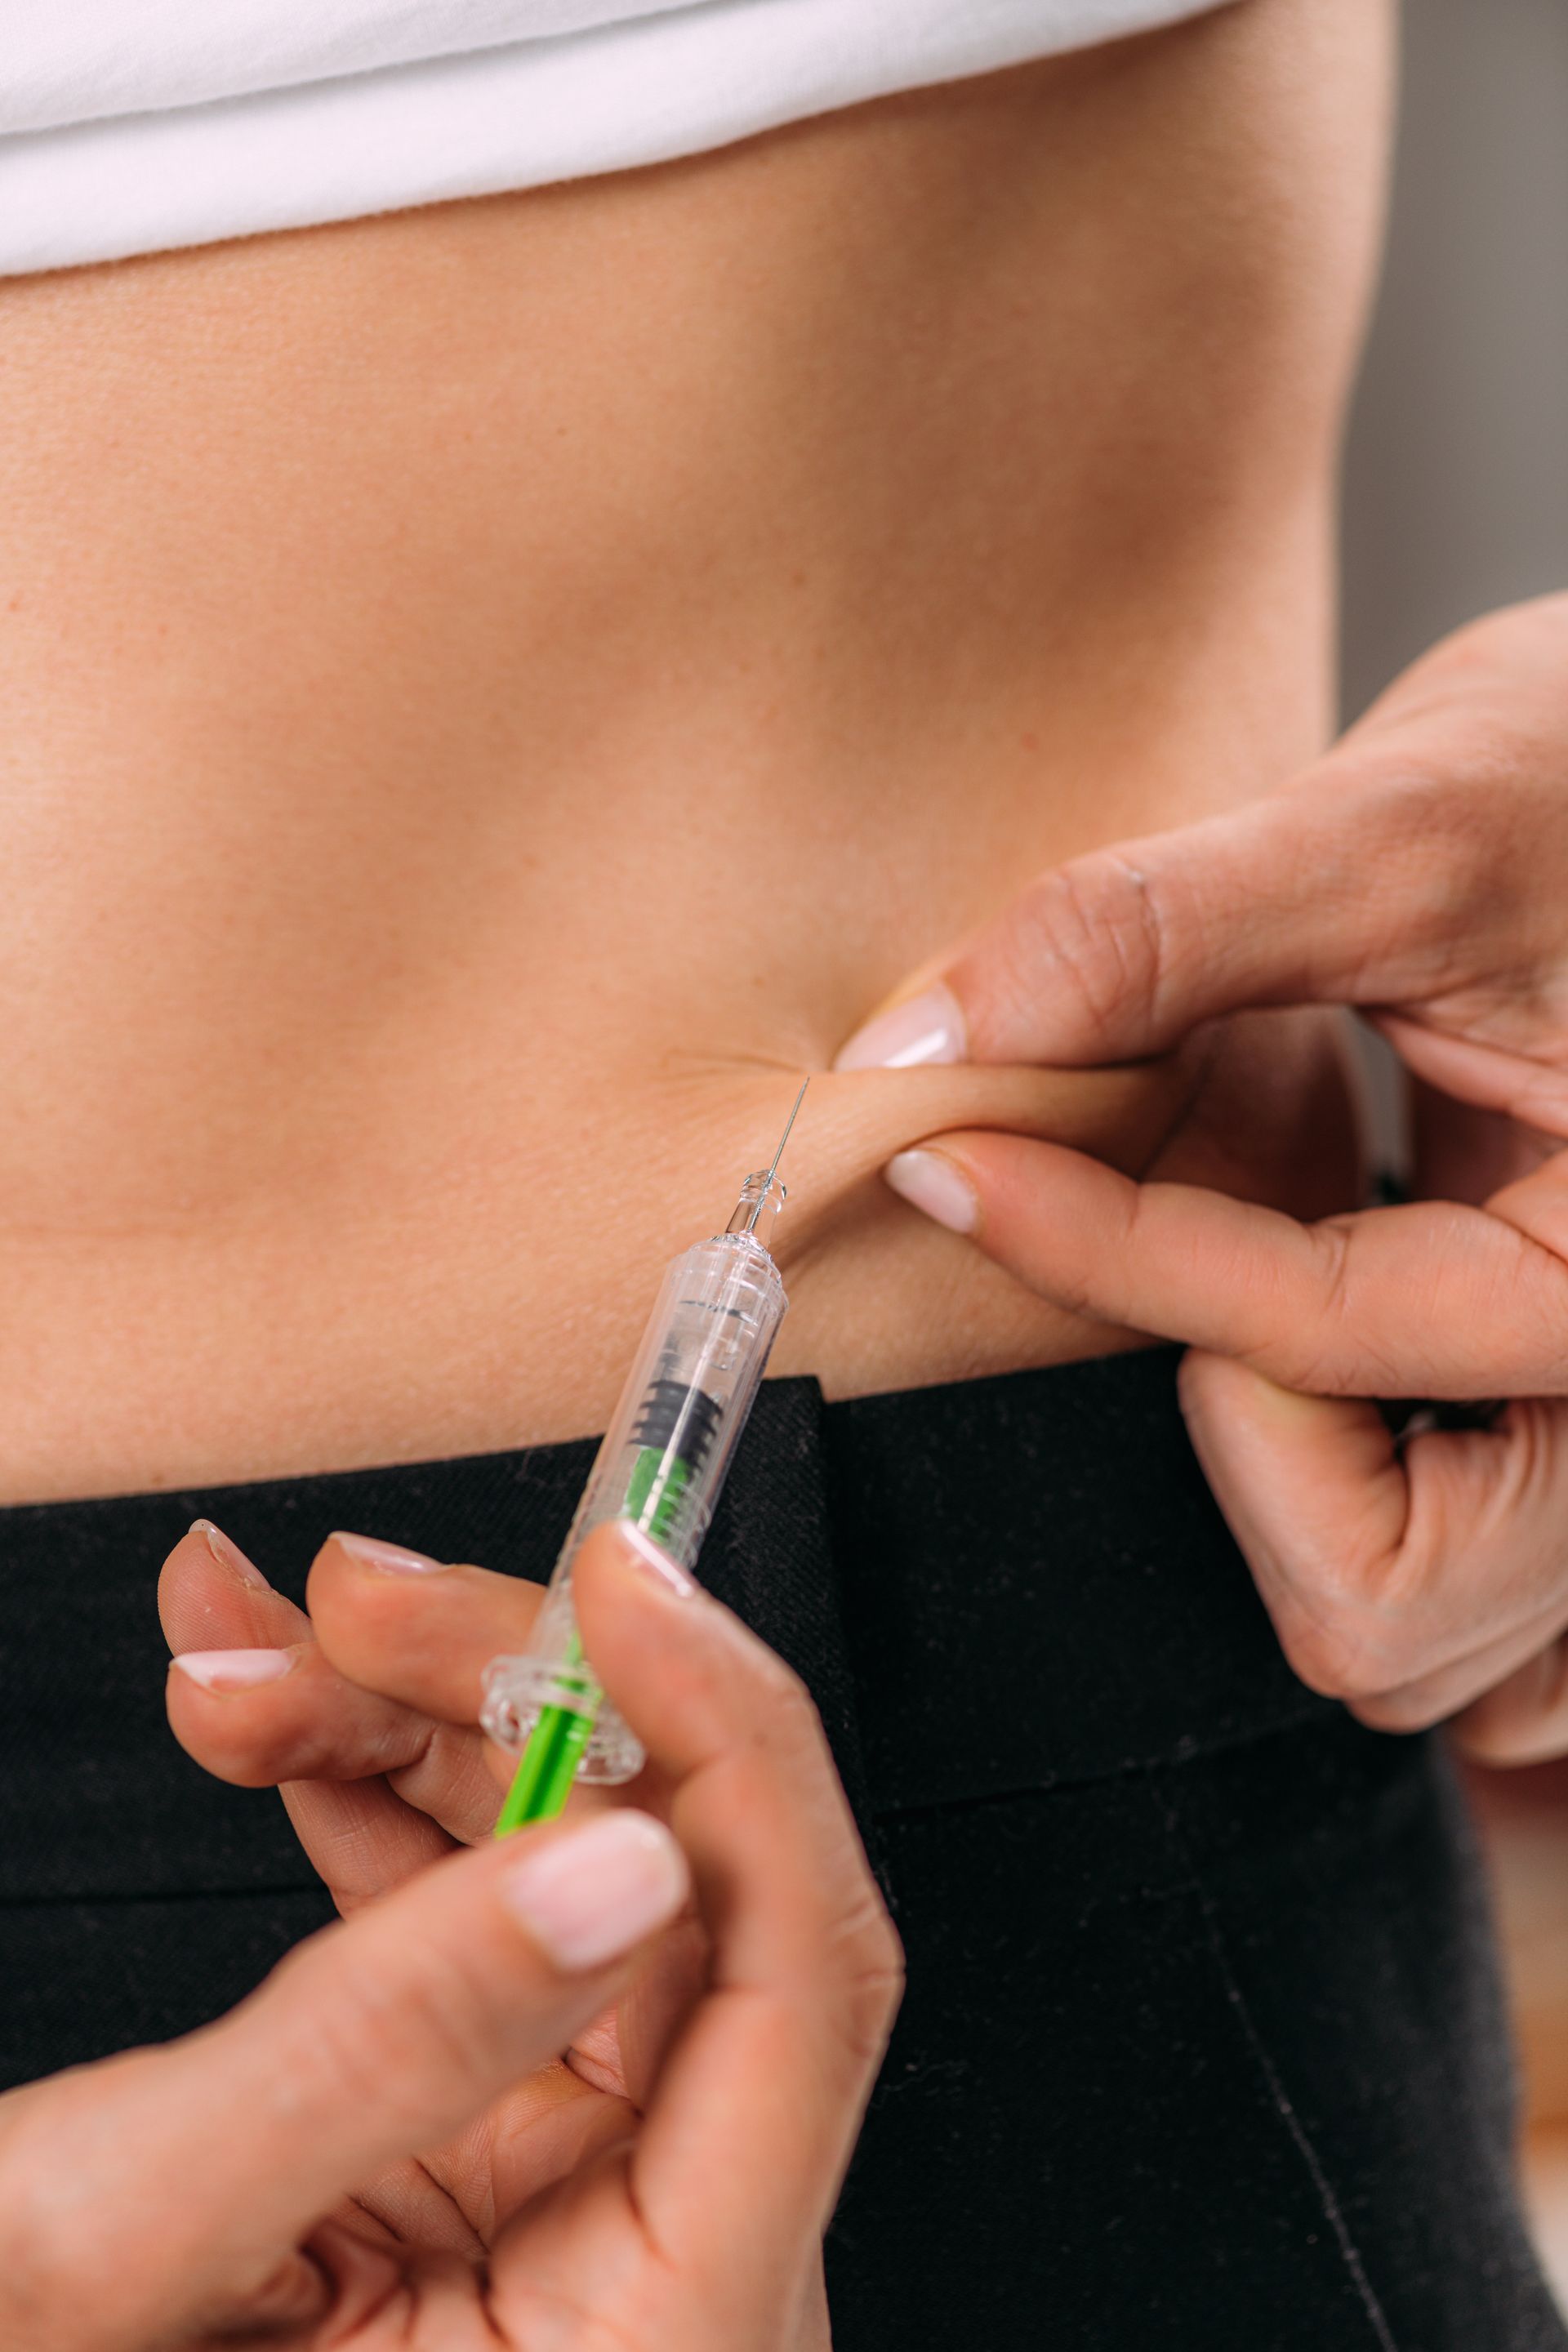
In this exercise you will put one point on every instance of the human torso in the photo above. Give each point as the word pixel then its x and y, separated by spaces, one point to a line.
pixel 492 693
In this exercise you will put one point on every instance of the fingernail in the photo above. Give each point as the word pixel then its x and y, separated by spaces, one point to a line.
pixel 929 1182
pixel 228 1554
pixel 388 1559
pixel 235 1670
pixel 667 1573
pixel 926 1028
pixel 588 1896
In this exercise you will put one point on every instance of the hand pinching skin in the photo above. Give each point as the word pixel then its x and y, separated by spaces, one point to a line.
pixel 1418 872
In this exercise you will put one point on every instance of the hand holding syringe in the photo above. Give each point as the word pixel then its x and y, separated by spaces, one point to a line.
pixel 415 2053
pixel 662 1465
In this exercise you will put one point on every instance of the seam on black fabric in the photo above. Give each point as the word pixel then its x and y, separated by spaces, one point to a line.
pixel 93 1898
pixel 858 1781
pixel 1279 2098
pixel 1133 1768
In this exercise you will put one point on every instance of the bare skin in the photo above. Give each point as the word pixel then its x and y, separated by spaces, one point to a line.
pixel 490 694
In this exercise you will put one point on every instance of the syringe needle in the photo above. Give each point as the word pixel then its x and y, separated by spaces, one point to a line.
pixel 788 1124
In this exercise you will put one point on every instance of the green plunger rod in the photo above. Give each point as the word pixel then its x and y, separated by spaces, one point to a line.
pixel 548 1765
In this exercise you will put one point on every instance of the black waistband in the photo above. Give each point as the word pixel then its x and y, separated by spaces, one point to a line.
pixel 1004 1584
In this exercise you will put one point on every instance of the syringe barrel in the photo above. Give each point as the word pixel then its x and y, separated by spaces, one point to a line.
pixel 662 1465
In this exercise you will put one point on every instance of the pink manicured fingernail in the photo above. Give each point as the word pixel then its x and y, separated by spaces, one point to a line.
pixel 388 1559
pixel 926 1028
pixel 929 1182
pixel 593 1894
pixel 228 1554
pixel 235 1670
pixel 647 1555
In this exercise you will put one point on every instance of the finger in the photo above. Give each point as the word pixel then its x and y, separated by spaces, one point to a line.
pixel 1405 866
pixel 250 1695
pixel 420 1631
pixel 376 2038
pixel 362 1839
pixel 1332 890
pixel 1404 869
pixel 1531 1093
pixel 756 2108
pixel 1384 1569
pixel 1433 1299
pixel 301 1735
pixel 1444 1694
pixel 260 1716
pixel 270 1710
pixel 427 2006
pixel 271 1719
pixel 212 1596
pixel 1524 1718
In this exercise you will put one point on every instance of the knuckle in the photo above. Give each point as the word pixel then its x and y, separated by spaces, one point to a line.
pixel 1315 1658
pixel 1330 1649
pixel 1335 1340
pixel 445 1775
pixel 1095 932
pixel 1405 803
pixel 866 2018
pixel 1357 1621
pixel 1313 1347
pixel 785 1717
pixel 871 1975
pixel 1436 828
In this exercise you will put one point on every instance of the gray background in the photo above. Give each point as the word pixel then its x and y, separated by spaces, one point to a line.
pixel 1456 488
pixel 1456 482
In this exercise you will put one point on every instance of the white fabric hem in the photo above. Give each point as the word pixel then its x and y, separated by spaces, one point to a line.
pixel 639 92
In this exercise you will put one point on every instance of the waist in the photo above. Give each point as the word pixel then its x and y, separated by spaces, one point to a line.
pixel 480 1280
pixel 493 693
pixel 952 1573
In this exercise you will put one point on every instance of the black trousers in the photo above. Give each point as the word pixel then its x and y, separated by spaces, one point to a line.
pixel 1202 2044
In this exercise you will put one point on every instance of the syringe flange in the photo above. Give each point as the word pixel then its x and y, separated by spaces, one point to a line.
pixel 518 1689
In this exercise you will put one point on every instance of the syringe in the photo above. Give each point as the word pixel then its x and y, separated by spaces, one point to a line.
pixel 662 1464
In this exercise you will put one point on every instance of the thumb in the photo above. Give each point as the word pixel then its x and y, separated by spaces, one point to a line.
pixel 1341 888
pixel 1346 887
pixel 377 2037
pixel 1412 867
pixel 196 2170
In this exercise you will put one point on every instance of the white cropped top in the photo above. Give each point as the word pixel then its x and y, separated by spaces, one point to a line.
pixel 131 125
